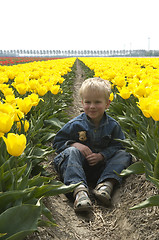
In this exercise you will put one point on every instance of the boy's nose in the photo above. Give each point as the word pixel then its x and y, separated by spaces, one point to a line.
pixel 92 105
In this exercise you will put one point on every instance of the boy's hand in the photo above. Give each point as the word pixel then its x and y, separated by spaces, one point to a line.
pixel 82 148
pixel 94 158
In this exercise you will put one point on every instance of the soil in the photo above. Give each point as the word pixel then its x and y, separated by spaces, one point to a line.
pixel 117 222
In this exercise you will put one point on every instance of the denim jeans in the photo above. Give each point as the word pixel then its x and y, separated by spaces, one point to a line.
pixel 73 167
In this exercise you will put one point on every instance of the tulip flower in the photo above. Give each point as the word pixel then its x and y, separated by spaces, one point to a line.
pixel 10 99
pixel 125 93
pixel 24 105
pixel 15 144
pixel 22 88
pixel 18 115
pixel 55 89
pixel 7 108
pixel 25 123
pixel 154 110
pixel 1 134
pixel 7 91
pixel 6 122
pixel 42 90
pixel 33 84
pixel 111 97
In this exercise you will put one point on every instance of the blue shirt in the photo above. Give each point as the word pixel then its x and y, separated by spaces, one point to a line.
pixel 99 139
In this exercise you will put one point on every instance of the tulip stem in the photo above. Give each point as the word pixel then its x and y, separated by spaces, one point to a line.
pixel 16 173
pixel 11 173
pixel 1 179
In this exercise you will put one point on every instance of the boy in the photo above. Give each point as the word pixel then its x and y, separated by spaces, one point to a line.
pixel 87 149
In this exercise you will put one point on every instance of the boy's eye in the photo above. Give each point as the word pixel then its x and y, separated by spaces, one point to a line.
pixel 89 102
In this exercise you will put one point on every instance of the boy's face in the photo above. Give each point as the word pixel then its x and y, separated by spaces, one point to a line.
pixel 94 106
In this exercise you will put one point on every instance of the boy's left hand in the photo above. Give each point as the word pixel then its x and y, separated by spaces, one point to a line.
pixel 94 158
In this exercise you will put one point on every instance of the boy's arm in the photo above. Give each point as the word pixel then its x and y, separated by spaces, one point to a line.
pixel 63 138
pixel 114 145
pixel 86 151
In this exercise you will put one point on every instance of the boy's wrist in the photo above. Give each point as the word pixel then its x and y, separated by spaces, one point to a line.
pixel 101 157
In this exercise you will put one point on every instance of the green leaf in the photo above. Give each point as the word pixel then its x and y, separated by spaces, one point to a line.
pixel 135 168
pixel 46 212
pixel 24 181
pixel 18 221
pixel 50 190
pixel 9 197
pixel 20 235
pixel 7 178
pixel 38 180
pixel 2 234
pixel 150 202
pixel 156 167
pixel 54 122
pixel 40 153
pixel 48 136
pixel 154 181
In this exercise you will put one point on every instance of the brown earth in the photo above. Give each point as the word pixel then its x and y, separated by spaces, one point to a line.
pixel 115 223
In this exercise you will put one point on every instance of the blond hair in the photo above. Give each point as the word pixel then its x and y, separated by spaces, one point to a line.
pixel 97 86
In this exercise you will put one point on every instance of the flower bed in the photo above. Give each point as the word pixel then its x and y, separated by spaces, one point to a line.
pixel 19 60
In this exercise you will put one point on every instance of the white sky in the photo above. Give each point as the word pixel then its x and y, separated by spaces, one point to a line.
pixel 79 24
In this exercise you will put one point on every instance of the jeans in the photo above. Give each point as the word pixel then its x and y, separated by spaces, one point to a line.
pixel 73 167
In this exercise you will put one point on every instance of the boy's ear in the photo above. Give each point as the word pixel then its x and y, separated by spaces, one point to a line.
pixel 108 104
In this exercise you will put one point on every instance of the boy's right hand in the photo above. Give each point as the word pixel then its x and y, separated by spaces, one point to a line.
pixel 82 148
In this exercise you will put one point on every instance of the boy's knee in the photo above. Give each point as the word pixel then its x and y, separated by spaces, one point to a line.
pixel 72 149
pixel 125 158
pixel 122 158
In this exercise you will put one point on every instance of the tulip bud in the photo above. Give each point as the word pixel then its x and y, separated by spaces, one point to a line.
pixel 15 144
pixel 6 122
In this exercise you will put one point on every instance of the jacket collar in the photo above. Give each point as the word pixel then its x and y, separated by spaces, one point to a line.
pixel 103 122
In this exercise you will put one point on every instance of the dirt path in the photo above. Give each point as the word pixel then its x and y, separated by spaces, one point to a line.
pixel 114 223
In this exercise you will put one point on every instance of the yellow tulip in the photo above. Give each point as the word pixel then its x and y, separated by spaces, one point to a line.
pixel 10 99
pixel 15 144
pixel 1 134
pixel 7 91
pixel 139 91
pixel 34 99
pixel 42 90
pixel 22 88
pixel 3 78
pixel 144 105
pixel 119 81
pixel 18 115
pixel 6 122
pixel 111 97
pixel 24 105
pixel 7 108
pixel 125 93
pixel 61 79
pixel 55 89
pixel 154 110
pixel 33 84
pixel 26 125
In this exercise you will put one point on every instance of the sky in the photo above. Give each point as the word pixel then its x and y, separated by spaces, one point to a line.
pixel 79 24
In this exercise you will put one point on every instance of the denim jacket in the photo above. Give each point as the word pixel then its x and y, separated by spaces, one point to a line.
pixel 99 140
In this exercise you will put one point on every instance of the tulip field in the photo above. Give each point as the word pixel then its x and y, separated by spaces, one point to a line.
pixel 17 60
pixel 34 98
